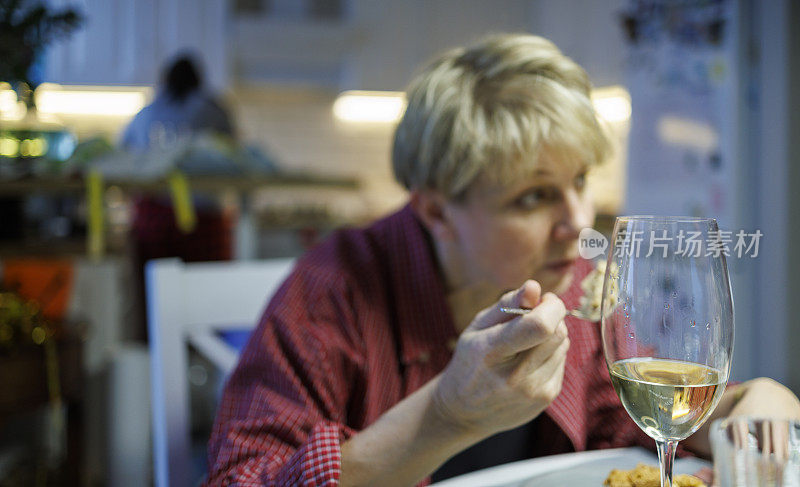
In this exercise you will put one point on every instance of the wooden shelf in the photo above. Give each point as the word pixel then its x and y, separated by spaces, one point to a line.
pixel 54 185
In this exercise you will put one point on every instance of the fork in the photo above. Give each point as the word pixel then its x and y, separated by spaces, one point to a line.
pixel 577 313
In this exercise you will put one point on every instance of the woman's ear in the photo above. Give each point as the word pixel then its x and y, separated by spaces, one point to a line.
pixel 431 209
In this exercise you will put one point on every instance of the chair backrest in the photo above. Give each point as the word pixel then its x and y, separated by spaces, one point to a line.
pixel 187 302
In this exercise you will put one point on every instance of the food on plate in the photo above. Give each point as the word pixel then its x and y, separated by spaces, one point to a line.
pixel 647 476
pixel 592 286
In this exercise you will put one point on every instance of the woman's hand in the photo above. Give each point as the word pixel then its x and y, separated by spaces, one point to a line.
pixel 765 398
pixel 759 398
pixel 506 370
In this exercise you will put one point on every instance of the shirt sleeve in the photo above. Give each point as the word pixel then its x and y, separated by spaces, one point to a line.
pixel 282 418
pixel 610 426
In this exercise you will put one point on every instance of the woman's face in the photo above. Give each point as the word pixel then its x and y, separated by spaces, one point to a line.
pixel 505 234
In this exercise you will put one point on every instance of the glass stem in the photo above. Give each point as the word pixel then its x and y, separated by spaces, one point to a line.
pixel 666 457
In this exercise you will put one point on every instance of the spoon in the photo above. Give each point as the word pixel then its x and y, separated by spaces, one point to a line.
pixel 592 285
pixel 577 313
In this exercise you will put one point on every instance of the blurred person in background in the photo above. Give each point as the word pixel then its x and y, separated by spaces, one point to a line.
pixel 384 359
pixel 181 106
pixel 181 109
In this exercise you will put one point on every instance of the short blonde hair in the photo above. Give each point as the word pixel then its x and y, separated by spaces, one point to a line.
pixel 490 109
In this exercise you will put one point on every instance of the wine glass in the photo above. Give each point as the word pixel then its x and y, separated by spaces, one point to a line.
pixel 667 325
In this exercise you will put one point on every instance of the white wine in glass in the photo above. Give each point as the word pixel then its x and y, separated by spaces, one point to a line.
pixel 667 325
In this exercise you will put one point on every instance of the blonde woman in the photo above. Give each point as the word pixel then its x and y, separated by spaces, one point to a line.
pixel 385 358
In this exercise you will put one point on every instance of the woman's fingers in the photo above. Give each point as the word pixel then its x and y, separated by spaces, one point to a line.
pixel 532 361
pixel 780 438
pixel 527 331
pixel 544 380
pixel 507 368
pixel 766 436
pixel 527 296
pixel 740 434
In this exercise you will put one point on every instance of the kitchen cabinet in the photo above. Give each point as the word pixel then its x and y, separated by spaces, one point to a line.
pixel 127 42
pixel 369 44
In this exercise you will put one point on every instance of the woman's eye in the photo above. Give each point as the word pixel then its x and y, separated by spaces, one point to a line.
pixel 580 181
pixel 532 199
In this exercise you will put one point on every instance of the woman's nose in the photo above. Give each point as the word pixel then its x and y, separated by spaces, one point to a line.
pixel 577 213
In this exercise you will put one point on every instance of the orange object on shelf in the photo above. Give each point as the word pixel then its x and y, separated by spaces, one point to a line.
pixel 46 282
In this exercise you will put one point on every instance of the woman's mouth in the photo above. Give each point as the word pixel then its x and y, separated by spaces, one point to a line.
pixel 560 266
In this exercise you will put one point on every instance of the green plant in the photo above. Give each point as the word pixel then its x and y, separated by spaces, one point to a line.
pixel 25 30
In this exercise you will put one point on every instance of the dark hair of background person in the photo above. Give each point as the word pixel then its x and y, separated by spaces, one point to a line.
pixel 181 78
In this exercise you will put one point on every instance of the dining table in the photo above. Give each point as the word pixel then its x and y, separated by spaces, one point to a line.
pixel 579 469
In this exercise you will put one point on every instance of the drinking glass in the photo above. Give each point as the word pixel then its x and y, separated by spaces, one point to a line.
pixel 757 452
pixel 667 325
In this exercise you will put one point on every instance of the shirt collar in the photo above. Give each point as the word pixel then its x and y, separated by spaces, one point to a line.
pixel 425 323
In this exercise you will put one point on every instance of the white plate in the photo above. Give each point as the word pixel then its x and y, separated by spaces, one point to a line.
pixel 574 469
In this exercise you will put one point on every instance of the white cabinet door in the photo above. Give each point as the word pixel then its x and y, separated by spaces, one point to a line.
pixel 126 42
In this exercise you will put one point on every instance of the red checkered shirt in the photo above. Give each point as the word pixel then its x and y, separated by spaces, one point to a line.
pixel 361 323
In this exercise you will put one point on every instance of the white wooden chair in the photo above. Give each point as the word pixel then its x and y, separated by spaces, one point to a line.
pixel 187 304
